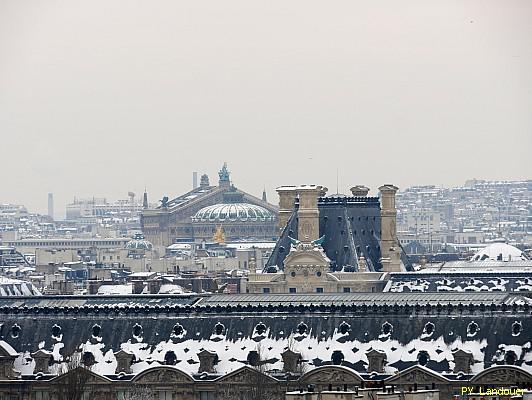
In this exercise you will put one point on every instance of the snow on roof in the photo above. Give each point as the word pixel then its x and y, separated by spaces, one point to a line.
pixel 316 335
pixel 171 289
pixel 115 289
pixel 249 245
pixel 142 274
pixel 8 349
pixel 16 287
pixel 499 251
pixel 180 246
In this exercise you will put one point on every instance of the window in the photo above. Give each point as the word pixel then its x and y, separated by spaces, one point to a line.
pixel 347 290
pixel 164 395
pixel 266 290
pixel 40 395
pixel 319 290
pixel 207 395
pixel 292 290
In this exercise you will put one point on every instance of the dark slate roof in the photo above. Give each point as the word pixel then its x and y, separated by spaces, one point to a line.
pixel 352 228
pixel 337 299
pixel 126 301
pixel 232 332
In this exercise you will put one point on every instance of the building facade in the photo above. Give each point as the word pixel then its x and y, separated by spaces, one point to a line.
pixel 218 347
pixel 336 244
pixel 196 215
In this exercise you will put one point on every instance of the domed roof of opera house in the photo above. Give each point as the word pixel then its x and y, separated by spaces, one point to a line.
pixel 233 212
pixel 499 251
pixel 139 243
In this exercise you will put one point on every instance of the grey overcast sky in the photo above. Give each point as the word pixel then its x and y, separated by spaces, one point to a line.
pixel 103 97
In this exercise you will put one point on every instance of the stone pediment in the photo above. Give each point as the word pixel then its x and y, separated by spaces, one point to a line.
pixel 91 377
pixel 306 257
pixel 163 375
pixel 246 376
pixel 503 374
pixel 332 374
pixel 417 374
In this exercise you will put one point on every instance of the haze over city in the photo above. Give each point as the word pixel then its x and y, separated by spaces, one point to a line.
pixel 266 200
pixel 101 98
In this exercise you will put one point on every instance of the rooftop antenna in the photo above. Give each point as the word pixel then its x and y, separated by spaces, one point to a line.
pixel 499 224
pixel 264 198
pixel 337 181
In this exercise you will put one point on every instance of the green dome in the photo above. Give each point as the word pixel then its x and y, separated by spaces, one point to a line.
pixel 139 243
pixel 233 212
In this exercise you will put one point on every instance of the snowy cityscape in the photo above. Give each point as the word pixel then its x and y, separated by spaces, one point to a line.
pixel 100 247
pixel 265 200
pixel 133 277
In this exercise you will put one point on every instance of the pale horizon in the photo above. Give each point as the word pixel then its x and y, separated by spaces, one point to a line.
pixel 105 97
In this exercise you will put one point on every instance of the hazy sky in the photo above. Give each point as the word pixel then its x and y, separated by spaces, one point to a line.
pixel 105 97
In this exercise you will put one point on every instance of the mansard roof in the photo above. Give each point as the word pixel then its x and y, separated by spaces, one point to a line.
pixel 360 299
pixel 489 324
pixel 155 304
pixel 51 304
pixel 352 228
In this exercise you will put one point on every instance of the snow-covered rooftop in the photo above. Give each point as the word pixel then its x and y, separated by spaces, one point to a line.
pixel 17 287
pixel 499 251
pixel 320 327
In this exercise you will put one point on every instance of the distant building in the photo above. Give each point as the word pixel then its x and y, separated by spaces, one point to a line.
pixel 332 244
pixel 196 215
pixel 17 287
pixel 30 245
pixel 99 207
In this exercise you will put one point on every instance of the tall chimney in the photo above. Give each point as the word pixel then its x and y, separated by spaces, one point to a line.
pixel 145 204
pixel 287 198
pixel 390 251
pixel 194 180
pixel 308 214
pixel 51 205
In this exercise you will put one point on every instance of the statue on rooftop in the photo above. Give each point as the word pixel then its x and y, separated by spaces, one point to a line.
pixel 319 241
pixel 224 176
